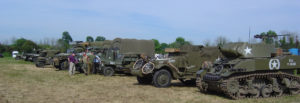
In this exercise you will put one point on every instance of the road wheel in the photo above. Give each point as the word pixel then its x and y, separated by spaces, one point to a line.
pixel 108 71
pixel 266 90
pixel 162 78
pixel 144 80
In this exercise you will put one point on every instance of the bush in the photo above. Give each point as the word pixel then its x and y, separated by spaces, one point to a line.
pixel 6 54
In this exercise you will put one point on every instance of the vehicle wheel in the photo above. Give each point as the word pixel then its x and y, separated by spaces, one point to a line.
pixel 162 78
pixel 188 82
pixel 144 80
pixel 108 71
pixel 39 64
pixel 63 65
pixel 26 59
pixel 34 60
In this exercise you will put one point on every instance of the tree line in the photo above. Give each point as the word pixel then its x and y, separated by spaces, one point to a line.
pixel 285 41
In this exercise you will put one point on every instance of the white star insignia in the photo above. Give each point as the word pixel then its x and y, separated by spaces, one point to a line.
pixel 247 50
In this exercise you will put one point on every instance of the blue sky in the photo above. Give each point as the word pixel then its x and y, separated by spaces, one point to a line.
pixel 195 20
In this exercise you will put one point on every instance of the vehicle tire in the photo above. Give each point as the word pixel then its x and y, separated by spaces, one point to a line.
pixel 162 78
pixel 108 71
pixel 39 64
pixel 34 60
pixel 26 58
pixel 64 65
pixel 144 80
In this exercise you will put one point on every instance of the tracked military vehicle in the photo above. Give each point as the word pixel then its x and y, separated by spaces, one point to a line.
pixel 121 55
pixel 45 57
pixel 251 71
pixel 181 65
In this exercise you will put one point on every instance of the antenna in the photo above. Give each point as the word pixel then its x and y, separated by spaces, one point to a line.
pixel 249 34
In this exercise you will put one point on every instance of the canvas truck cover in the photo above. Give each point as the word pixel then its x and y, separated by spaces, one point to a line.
pixel 101 44
pixel 134 46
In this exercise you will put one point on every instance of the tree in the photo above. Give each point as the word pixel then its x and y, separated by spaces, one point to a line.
pixel 179 42
pixel 66 37
pixel 100 38
pixel 17 45
pixel 62 45
pixel 163 46
pixel 268 37
pixel 220 41
pixel 157 46
pixel 89 39
pixel 207 43
pixel 28 46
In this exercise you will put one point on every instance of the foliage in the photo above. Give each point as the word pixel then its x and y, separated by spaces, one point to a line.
pixel 89 39
pixel 221 40
pixel 29 46
pixel 100 38
pixel 179 42
pixel 268 37
pixel 157 45
pixel 66 37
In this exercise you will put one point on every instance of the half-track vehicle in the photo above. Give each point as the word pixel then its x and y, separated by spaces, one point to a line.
pixel 181 65
pixel 121 55
pixel 45 58
pixel 251 71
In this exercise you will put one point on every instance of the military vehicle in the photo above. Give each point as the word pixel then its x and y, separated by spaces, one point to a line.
pixel 121 55
pixel 181 64
pixel 32 56
pixel 60 61
pixel 45 57
pixel 251 71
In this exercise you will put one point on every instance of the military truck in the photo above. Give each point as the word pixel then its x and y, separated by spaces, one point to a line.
pixel 120 56
pixel 60 61
pixel 45 57
pixel 182 64
pixel 251 71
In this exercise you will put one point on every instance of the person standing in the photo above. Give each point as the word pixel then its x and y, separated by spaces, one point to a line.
pixel 96 64
pixel 72 62
pixel 91 58
pixel 85 63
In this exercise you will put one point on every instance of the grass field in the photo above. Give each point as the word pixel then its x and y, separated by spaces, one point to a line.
pixel 22 82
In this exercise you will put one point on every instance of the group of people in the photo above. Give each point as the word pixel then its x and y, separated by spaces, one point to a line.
pixel 90 63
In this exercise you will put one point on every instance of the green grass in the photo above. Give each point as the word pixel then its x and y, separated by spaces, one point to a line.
pixel 22 82
pixel 10 60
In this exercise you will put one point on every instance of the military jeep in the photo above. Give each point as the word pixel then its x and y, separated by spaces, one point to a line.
pixel 45 58
pixel 181 65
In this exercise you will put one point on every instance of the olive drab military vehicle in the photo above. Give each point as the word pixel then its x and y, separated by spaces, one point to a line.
pixel 122 54
pixel 60 60
pixel 181 64
pixel 45 57
pixel 32 56
pixel 251 71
